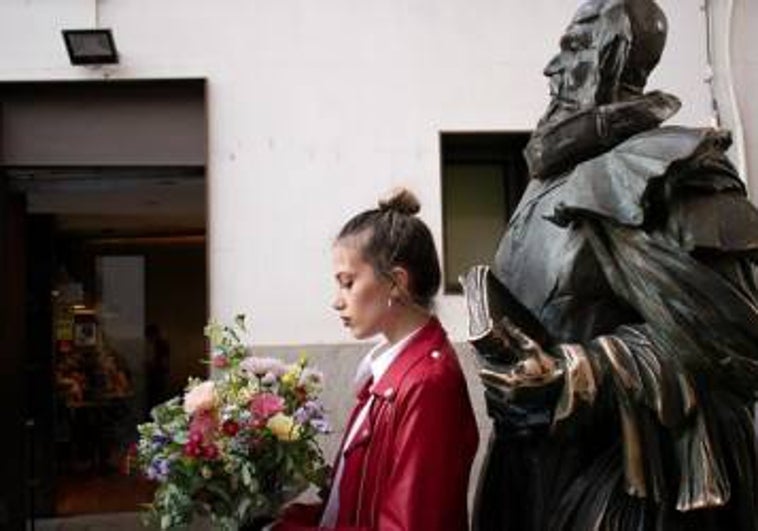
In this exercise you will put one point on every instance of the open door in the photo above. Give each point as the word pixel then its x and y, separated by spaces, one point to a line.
pixel 103 282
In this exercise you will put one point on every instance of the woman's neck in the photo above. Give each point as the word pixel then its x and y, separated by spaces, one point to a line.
pixel 409 319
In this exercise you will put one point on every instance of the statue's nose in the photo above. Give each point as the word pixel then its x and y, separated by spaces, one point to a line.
pixel 554 66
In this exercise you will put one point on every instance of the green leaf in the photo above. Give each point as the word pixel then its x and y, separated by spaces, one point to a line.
pixel 254 486
pixel 247 477
pixel 243 508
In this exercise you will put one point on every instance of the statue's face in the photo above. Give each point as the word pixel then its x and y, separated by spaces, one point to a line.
pixel 575 72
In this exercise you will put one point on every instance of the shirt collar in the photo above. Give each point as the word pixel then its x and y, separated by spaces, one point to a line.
pixel 379 358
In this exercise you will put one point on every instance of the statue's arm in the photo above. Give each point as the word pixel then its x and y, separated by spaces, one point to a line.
pixel 629 361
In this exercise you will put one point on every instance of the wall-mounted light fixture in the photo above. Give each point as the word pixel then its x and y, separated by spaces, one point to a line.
pixel 90 46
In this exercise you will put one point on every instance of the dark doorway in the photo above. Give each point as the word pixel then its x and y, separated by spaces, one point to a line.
pixel 102 199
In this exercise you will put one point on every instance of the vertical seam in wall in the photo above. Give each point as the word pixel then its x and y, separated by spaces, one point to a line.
pixel 720 64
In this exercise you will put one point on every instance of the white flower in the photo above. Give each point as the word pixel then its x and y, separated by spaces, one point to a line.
pixel 269 380
pixel 200 397
pixel 311 379
pixel 255 365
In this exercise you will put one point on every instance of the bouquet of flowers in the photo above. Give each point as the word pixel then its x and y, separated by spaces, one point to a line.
pixel 236 447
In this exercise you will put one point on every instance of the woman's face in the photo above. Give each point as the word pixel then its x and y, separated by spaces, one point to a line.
pixel 362 296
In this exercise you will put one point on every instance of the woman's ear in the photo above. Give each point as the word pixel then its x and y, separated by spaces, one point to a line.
pixel 401 280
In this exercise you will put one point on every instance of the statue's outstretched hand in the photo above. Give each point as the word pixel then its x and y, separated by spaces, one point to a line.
pixel 533 369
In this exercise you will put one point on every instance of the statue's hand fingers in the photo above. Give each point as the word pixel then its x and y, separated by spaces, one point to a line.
pixel 524 343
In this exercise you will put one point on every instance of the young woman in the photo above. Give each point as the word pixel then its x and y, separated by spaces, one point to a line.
pixel 406 455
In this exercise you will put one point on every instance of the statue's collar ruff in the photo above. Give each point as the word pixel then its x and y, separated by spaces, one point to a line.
pixel 557 147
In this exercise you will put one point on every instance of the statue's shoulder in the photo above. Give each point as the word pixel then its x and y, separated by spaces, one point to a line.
pixel 625 182
pixel 672 142
pixel 673 178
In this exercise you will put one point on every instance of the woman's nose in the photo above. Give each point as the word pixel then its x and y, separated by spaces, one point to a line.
pixel 338 303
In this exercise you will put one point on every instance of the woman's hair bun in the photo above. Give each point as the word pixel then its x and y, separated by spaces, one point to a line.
pixel 400 200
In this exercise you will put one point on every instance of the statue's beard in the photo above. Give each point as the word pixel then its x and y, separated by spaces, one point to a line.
pixel 558 109
pixel 566 101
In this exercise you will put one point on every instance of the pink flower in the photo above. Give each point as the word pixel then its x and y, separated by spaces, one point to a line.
pixel 202 426
pixel 265 405
pixel 220 361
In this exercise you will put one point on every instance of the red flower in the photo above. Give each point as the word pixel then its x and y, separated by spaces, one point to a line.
pixel 230 428
pixel 210 452
pixel 220 361
pixel 193 449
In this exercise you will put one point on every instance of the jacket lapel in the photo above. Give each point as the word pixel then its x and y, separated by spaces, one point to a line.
pixel 429 338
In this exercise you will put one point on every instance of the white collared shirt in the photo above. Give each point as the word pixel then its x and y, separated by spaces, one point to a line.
pixel 374 364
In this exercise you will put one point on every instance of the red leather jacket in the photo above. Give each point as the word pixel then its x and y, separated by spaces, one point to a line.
pixel 407 468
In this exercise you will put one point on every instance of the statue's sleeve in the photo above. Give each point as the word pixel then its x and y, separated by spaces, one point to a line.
pixel 669 223
pixel 688 371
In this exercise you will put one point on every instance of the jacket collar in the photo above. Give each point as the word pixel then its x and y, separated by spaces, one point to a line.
pixel 431 336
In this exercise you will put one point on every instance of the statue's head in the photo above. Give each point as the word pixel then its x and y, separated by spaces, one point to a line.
pixel 607 53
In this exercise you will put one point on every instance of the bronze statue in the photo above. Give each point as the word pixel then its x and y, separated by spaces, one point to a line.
pixel 633 248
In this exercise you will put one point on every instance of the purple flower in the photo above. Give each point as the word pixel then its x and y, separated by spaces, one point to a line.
pixel 320 425
pixel 159 440
pixel 158 469
pixel 312 413
pixel 311 409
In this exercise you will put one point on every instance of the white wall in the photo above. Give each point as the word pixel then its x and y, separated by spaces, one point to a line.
pixel 317 108
pixel 744 42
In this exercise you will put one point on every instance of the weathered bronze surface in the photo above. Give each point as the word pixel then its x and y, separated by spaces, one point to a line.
pixel 634 246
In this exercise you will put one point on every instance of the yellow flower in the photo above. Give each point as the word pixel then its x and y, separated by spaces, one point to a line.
pixel 292 376
pixel 283 427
